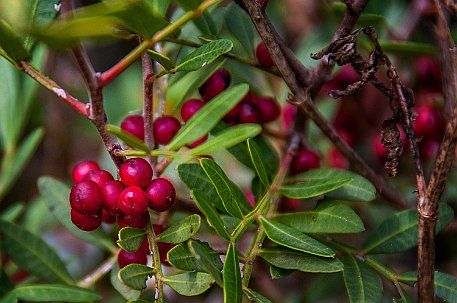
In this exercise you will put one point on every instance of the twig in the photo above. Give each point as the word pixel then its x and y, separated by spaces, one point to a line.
pixel 99 272
pixel 148 104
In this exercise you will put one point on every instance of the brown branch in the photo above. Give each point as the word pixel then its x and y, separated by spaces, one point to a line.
pixel 148 107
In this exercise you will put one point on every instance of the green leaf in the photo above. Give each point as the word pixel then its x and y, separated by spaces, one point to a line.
pixel 278 272
pixel 160 7
pixel 5 283
pixel 313 188
pixel 227 138
pixel 294 239
pixel 55 194
pixel 9 89
pixel 128 138
pixel 181 257
pixel 205 259
pixel 205 119
pixel 232 277
pixel 127 292
pixel 257 162
pixel 189 4
pixel 55 292
pixel 255 296
pixel 204 55
pixel 11 43
pixel 399 232
pixel 130 238
pixel 445 284
pixel 189 283
pixel 41 13
pixel 362 284
pixel 290 259
pixel 33 254
pixel 239 24
pixel 181 230
pixel 163 60
pixel 135 275
pixel 9 297
pixel 360 189
pixel 408 48
pixel 213 218
pixel 328 217
pixel 13 212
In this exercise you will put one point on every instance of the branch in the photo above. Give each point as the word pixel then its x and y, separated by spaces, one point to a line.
pixel 148 107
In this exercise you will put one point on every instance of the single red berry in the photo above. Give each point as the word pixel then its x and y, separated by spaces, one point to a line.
pixel 288 114
pixel 225 74
pixel 268 108
pixel 86 197
pixel 125 258
pixel 158 228
pixel 428 148
pixel 249 114
pixel 145 246
pixel 212 87
pixel 165 128
pixel 337 160
pixel 133 201
pixel 141 221
pixel 198 141
pixel 111 191
pixel 304 160
pixel 190 107
pixel 161 194
pixel 136 172
pixel 81 169
pixel 290 204
pixel 429 123
pixel 108 217
pixel 99 176
pixel 134 125
pixel 164 248
pixel 86 222
pixel 263 56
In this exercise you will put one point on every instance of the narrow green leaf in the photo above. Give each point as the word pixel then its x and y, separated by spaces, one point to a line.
pixel 181 230
pixel 13 212
pixel 285 258
pixel 9 89
pixel 360 189
pixel 56 195
pixel 239 24
pixel 255 296
pixel 399 232
pixel 294 239
pixel 227 138
pixel 135 275
pixel 204 55
pixel 205 259
pixel 189 4
pixel 328 217
pixel 33 254
pixel 9 297
pixel 55 292
pixel 181 257
pixel 130 238
pixel 163 60
pixel 127 292
pixel 129 139
pixel 445 284
pixel 213 218
pixel 257 162
pixel 362 284
pixel 11 43
pixel 160 7
pixel 211 114
pixel 5 283
pixel 41 13
pixel 278 272
pixel 232 277
pixel 408 48
pixel 189 283
pixel 312 188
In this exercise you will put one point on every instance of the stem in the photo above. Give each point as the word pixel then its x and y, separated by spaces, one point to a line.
pixel 148 104
pixel 99 272
pixel 157 266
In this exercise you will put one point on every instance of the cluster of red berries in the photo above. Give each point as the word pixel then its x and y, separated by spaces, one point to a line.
pixel 97 197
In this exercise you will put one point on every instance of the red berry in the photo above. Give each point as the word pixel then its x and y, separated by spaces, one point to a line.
pixel 249 114
pixel 337 160
pixel 133 201
pixel 161 194
pixel 379 149
pixel 212 87
pixel 263 56
pixel 145 246
pixel 165 128
pixel 85 197
pixel 304 160
pixel 99 176
pixel 111 191
pixel 225 74
pixel 190 107
pixel 136 172
pixel 268 107
pixel 125 258
pixel 124 220
pixel 164 248
pixel 429 122
pixel 134 124
pixel 86 222
pixel 108 217
pixel 288 114
pixel 428 73
pixel 428 148
pixel 198 141
pixel 81 169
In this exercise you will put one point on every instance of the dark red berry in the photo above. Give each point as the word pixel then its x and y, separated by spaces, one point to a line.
pixel 249 114
pixel 428 73
pixel 429 123
pixel 81 169
pixel 225 74
pixel 190 107
pixel 134 125
pixel 108 217
pixel 86 222
pixel 86 197
pixel 111 191
pixel 133 201
pixel 161 246
pixel 304 160
pixel 136 172
pixel 428 148
pixel 125 258
pixel 268 108
pixel 212 87
pixel 337 160
pixel 263 56
pixel 161 194
pixel 99 176
pixel 145 246
pixel 288 114
pixel 158 228
pixel 198 141
pixel 165 128
pixel 379 149
pixel 140 221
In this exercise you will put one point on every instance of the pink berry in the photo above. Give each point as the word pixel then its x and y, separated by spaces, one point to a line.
pixel 429 122
pixel 85 197
pixel 133 201
pixel 134 125
pixel 111 191
pixel 136 172
pixel 212 87
pixel 263 56
pixel 268 108
pixel 304 160
pixel 249 114
pixel 225 74
pixel 288 114
pixel 125 258
pixel 161 194
pixel 165 128
pixel 81 169
pixel 141 221
pixel 190 107
pixel 99 176
pixel 86 222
